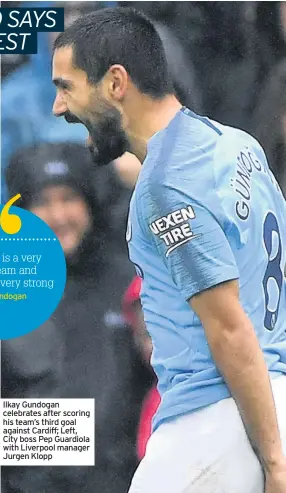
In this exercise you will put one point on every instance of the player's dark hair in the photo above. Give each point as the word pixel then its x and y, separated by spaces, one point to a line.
pixel 119 35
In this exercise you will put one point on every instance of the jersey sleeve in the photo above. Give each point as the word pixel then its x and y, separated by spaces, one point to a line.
pixel 188 237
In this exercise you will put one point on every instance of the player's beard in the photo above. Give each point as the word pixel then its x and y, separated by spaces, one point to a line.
pixel 109 141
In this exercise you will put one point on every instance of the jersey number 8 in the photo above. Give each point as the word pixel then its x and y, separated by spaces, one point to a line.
pixel 273 273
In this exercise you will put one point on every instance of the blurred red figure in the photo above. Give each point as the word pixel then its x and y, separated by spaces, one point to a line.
pixel 133 314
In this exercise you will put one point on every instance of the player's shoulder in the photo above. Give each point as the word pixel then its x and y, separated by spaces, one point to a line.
pixel 196 155
pixel 219 142
pixel 182 152
pixel 225 151
pixel 213 137
pixel 236 157
pixel 233 141
pixel 191 146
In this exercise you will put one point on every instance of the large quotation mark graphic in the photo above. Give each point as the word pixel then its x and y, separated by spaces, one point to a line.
pixel 10 223
pixel 273 269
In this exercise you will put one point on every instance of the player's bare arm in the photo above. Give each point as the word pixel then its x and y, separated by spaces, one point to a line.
pixel 237 353
pixel 205 210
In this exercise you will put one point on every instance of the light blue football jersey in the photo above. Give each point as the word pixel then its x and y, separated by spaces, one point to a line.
pixel 206 209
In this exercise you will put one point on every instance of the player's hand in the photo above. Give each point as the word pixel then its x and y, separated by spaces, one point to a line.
pixel 275 480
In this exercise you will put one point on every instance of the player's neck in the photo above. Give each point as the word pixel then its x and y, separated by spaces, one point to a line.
pixel 146 118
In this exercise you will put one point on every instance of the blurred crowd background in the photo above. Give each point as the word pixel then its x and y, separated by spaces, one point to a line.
pixel 227 60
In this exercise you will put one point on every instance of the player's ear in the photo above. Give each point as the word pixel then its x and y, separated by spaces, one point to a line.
pixel 118 82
